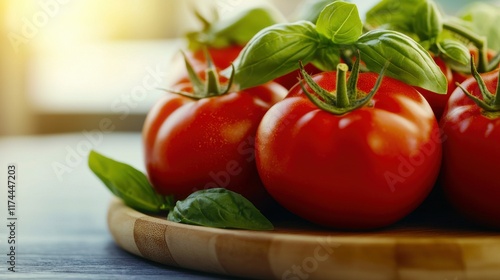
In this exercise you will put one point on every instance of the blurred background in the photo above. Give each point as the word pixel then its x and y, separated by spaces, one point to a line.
pixel 65 65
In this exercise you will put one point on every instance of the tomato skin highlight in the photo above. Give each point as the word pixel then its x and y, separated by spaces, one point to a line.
pixel 196 144
pixel 471 150
pixel 361 170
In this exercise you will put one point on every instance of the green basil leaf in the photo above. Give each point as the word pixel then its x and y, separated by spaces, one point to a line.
pixel 484 19
pixel 236 29
pixel 428 23
pixel 340 22
pixel 127 183
pixel 274 52
pixel 220 208
pixel 393 14
pixel 408 61
pixel 455 51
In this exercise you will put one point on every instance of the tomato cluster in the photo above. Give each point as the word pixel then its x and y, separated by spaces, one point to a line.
pixel 338 148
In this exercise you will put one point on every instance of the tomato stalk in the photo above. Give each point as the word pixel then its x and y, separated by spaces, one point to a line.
pixel 346 97
pixel 490 102
pixel 342 97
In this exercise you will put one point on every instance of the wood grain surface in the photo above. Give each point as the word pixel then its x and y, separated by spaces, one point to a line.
pixel 297 250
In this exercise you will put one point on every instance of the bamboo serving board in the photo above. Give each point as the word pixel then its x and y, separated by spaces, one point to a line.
pixel 412 249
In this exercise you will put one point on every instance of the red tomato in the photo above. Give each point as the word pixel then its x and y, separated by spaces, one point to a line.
pixel 194 144
pixel 471 151
pixel 438 101
pixel 364 169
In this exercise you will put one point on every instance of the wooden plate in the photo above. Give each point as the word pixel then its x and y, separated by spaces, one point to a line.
pixel 296 250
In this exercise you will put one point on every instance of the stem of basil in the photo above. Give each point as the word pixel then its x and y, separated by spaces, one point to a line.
pixel 478 41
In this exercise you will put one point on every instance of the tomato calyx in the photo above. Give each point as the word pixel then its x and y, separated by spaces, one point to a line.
pixel 210 87
pixel 346 97
pixel 490 102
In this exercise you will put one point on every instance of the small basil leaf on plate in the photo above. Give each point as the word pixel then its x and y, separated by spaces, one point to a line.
pixel 219 208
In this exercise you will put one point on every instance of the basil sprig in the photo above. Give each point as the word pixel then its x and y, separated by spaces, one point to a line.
pixel 219 208
pixel 423 21
pixel 276 50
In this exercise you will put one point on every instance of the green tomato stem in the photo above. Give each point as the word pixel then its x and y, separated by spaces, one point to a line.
pixel 342 96
pixel 496 100
pixel 211 87
pixel 490 103
pixel 347 97
pixel 478 41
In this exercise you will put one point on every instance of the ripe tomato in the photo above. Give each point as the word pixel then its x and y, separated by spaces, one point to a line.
pixel 192 144
pixel 366 168
pixel 438 101
pixel 471 151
